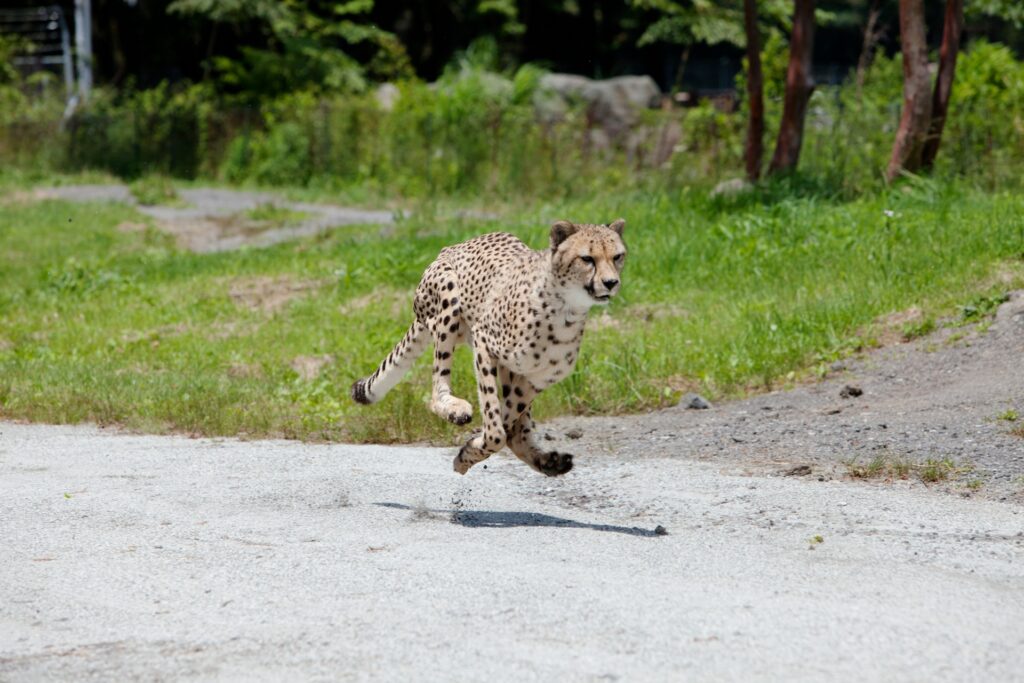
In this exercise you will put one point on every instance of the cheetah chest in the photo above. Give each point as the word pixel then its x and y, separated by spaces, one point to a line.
pixel 551 353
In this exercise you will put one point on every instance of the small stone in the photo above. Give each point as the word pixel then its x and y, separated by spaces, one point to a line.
pixel 798 471
pixel 850 391
pixel 731 188
pixel 694 402
pixel 660 531
pixel 574 433
pixel 837 366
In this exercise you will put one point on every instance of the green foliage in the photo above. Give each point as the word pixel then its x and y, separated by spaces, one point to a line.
pixel 1009 11
pixel 307 46
pixel 703 21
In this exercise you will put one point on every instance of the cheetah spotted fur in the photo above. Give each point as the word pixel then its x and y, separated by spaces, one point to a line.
pixel 522 312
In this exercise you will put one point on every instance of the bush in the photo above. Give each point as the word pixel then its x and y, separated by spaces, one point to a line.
pixel 476 131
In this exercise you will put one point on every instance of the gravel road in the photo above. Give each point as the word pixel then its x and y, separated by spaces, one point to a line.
pixel 155 558
pixel 937 398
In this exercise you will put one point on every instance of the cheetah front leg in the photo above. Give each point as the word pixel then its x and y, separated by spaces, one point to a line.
pixel 518 396
pixel 492 439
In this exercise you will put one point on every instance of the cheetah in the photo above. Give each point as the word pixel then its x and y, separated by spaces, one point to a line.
pixel 522 312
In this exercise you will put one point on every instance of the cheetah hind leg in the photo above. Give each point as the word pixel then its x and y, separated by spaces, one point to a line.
pixel 520 441
pixel 447 328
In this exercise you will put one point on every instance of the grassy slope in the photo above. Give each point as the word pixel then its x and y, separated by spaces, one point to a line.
pixel 113 326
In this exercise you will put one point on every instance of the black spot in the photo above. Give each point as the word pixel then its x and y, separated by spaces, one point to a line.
pixel 520 407
pixel 505 389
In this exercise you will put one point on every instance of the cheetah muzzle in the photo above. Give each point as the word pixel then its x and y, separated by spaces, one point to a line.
pixel 522 312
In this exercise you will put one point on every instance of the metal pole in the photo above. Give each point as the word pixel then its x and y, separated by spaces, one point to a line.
pixel 65 52
pixel 83 46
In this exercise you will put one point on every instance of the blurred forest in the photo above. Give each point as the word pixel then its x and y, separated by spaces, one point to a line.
pixel 290 92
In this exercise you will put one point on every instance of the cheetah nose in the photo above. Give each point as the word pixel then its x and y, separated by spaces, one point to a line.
pixel 610 284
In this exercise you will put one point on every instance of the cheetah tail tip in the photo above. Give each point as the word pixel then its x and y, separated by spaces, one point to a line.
pixel 358 392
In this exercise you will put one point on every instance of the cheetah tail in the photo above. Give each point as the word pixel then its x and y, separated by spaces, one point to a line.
pixel 391 370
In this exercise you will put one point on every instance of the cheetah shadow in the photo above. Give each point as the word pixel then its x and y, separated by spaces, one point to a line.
pixel 487 519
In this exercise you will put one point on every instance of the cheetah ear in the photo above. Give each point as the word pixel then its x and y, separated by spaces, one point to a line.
pixel 560 232
pixel 618 225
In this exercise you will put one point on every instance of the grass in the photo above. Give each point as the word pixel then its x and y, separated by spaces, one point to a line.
pixel 890 467
pixel 1009 415
pixel 98 324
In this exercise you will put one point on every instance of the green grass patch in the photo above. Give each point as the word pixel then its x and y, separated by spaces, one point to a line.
pixel 887 466
pixel 1009 415
pixel 116 326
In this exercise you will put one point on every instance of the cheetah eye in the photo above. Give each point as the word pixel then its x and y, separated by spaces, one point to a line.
pixel 618 257
pixel 587 259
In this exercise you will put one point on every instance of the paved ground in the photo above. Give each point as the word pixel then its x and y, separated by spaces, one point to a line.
pixel 153 558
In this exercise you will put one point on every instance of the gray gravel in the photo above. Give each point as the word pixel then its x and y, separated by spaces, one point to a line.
pixel 165 558
pixel 933 398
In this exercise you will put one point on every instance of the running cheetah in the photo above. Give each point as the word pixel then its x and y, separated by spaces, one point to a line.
pixel 522 312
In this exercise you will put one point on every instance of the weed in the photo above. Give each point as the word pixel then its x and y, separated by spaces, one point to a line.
pixel 1018 431
pixel 880 467
pixel 154 190
pixel 982 306
pixel 815 541
pixel 956 337
pixel 1010 415
pixel 890 467
pixel 975 484
pixel 275 216
pixel 933 470
pixel 918 329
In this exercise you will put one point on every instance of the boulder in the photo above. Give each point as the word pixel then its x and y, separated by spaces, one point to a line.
pixel 613 105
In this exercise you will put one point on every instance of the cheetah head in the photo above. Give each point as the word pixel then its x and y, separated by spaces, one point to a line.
pixel 587 260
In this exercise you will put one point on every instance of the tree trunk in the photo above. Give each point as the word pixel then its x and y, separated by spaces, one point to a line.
pixel 799 84
pixel 917 101
pixel 754 149
pixel 951 30
pixel 872 34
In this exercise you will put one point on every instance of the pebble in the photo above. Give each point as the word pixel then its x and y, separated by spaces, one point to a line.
pixel 694 402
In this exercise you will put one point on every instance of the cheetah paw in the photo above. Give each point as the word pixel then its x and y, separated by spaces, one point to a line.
pixel 455 410
pixel 554 463
pixel 461 464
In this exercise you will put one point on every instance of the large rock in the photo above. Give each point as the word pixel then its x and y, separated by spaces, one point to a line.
pixel 613 105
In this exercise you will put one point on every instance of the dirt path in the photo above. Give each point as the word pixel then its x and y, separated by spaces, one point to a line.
pixel 155 558
pixel 210 219
pixel 936 398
